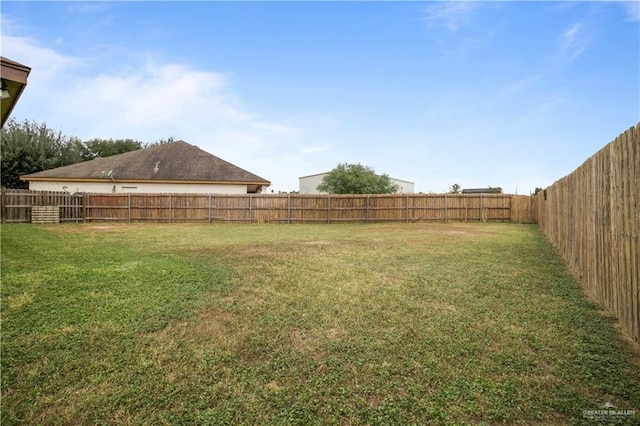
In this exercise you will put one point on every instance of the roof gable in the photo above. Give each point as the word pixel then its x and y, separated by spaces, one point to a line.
pixel 176 161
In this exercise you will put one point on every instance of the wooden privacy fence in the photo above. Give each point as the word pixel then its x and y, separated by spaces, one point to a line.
pixel 593 217
pixel 175 208
pixel 17 205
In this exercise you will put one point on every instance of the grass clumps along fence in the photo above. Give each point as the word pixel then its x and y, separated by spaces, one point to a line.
pixel 305 324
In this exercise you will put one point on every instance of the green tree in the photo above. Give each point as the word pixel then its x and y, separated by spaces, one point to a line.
pixel 30 147
pixel 356 179
pixel 107 147
pixel 455 189
pixel 159 142
pixel 539 190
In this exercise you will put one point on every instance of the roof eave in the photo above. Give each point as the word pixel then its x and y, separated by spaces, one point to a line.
pixel 15 75
pixel 102 180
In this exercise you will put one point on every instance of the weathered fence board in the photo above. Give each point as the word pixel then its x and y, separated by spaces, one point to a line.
pixel 287 208
pixel 45 214
pixel 17 204
pixel 593 217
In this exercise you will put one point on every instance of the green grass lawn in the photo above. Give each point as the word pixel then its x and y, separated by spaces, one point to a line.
pixel 263 324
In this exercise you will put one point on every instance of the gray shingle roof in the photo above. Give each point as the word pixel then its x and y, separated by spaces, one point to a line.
pixel 179 161
pixel 496 190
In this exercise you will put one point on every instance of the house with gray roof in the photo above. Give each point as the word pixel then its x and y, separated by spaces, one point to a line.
pixel 174 167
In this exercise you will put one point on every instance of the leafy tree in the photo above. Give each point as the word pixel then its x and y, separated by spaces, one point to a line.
pixel 29 147
pixel 160 142
pixel 73 152
pixel 455 189
pixel 105 148
pixel 356 179
pixel 539 190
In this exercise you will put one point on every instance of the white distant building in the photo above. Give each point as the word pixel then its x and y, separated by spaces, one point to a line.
pixel 309 184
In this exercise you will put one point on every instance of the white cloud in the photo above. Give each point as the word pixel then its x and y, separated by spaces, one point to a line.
pixel 146 101
pixel 451 14
pixel 161 100
pixel 46 63
pixel 151 95
pixel 632 9
pixel 573 42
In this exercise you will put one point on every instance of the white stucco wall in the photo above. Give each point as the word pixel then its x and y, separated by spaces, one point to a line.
pixel 308 184
pixel 405 187
pixel 124 187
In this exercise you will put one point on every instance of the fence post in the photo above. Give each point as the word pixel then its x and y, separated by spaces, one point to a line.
pixel 4 205
pixel 289 209
pixel 170 212
pixel 329 209
pixel 366 217
pixel 129 207
pixel 531 208
pixel 481 218
pixel 446 212
pixel 250 208
pixel 209 208
pixel 77 207
pixel 406 220
pixel 84 207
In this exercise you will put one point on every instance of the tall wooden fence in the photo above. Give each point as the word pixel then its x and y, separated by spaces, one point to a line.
pixel 174 208
pixel 593 217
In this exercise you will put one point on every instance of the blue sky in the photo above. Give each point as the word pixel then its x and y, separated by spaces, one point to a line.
pixel 510 94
